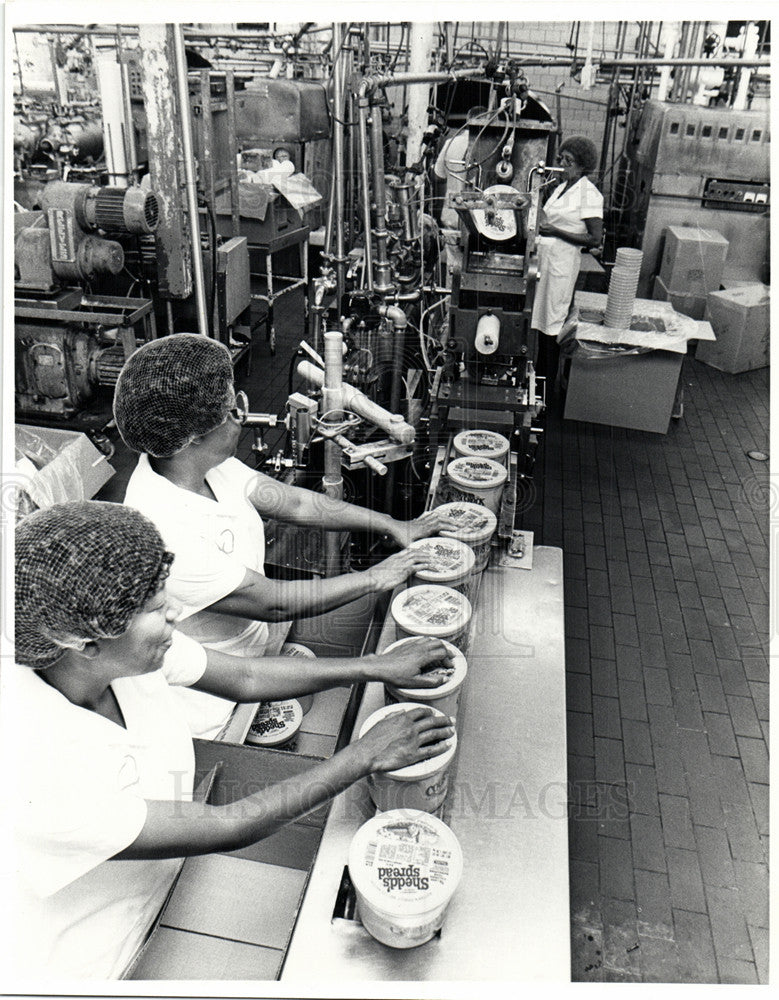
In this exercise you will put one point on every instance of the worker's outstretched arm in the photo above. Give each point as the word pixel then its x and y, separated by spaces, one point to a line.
pixel 269 678
pixel 280 600
pixel 315 510
pixel 181 829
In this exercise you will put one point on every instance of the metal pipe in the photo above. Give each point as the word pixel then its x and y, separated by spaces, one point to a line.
pixel 398 319
pixel 366 187
pixel 332 480
pixel 185 123
pixel 382 280
pixel 370 83
pixel 355 400
pixel 420 50
pixel 129 128
pixel 338 163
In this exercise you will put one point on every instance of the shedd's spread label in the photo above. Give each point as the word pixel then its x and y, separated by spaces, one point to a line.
pixel 407 859
pixel 443 558
pixel 273 717
pixel 425 606
pixel 476 471
pixel 468 519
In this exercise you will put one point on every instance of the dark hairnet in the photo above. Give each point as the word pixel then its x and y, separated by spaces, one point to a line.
pixel 171 391
pixel 83 569
pixel 583 151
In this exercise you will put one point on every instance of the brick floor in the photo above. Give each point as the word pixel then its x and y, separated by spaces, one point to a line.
pixel 675 618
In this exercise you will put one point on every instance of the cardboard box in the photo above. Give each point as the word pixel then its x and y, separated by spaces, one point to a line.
pixel 635 391
pixel 693 260
pixel 740 318
pixel 689 305
pixel 55 466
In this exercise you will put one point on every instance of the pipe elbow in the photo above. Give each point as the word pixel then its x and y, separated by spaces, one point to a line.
pixel 395 314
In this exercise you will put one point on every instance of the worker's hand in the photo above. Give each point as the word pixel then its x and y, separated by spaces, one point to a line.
pixel 405 737
pixel 397 568
pixel 430 523
pixel 420 663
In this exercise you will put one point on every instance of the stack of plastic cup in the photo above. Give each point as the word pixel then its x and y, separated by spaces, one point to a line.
pixel 622 288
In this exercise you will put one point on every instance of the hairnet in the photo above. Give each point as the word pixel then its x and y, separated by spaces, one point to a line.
pixel 83 569
pixel 583 151
pixel 171 391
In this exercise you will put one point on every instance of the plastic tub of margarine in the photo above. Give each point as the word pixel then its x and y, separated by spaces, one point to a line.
pixel 480 476
pixel 433 610
pixel 475 525
pixel 296 649
pixel 482 444
pixel 418 786
pixel 445 698
pixel 405 867
pixel 451 559
pixel 275 723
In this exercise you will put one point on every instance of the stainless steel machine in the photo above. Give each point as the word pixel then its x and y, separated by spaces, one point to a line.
pixel 707 167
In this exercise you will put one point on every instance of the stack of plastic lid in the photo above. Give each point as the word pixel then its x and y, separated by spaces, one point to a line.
pixel 446 697
pixel 482 477
pixel 482 443
pixel 296 649
pixel 276 723
pixel 405 867
pixel 451 562
pixel 473 524
pixel 622 288
pixel 417 786
pixel 430 610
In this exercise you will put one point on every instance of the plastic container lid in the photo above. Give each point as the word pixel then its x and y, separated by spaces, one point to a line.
pixel 275 722
pixel 296 649
pixel 413 772
pixel 405 861
pixel 475 523
pixel 432 610
pixel 481 443
pixel 476 473
pixel 452 558
pixel 455 675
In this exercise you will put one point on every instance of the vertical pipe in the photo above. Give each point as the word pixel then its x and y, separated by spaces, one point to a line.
pixel 383 277
pixel 189 173
pixel 109 80
pixel 338 162
pixel 420 51
pixel 365 185
pixel 129 129
pixel 672 32
pixel 751 35
pixel 332 399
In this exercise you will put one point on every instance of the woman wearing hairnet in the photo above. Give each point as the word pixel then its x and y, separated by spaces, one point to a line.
pixel 102 781
pixel 572 220
pixel 175 404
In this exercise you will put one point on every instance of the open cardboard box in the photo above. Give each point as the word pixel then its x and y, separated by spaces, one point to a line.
pixel 55 466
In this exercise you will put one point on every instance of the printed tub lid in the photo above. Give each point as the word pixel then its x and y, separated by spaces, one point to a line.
pixel 275 722
pixel 451 557
pixel 431 610
pixel 296 649
pixel 413 772
pixel 455 674
pixel 482 443
pixel 474 522
pixel 405 862
pixel 476 473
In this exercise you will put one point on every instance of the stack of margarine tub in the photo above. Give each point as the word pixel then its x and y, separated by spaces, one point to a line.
pixel 481 466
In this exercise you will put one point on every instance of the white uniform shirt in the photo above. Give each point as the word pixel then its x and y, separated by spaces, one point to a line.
pixel 79 785
pixel 559 261
pixel 215 542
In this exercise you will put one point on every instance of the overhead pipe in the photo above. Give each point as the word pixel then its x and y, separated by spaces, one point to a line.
pixel 185 124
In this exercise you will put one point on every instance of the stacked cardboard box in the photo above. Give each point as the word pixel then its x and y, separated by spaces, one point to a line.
pixel 692 265
pixel 740 319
